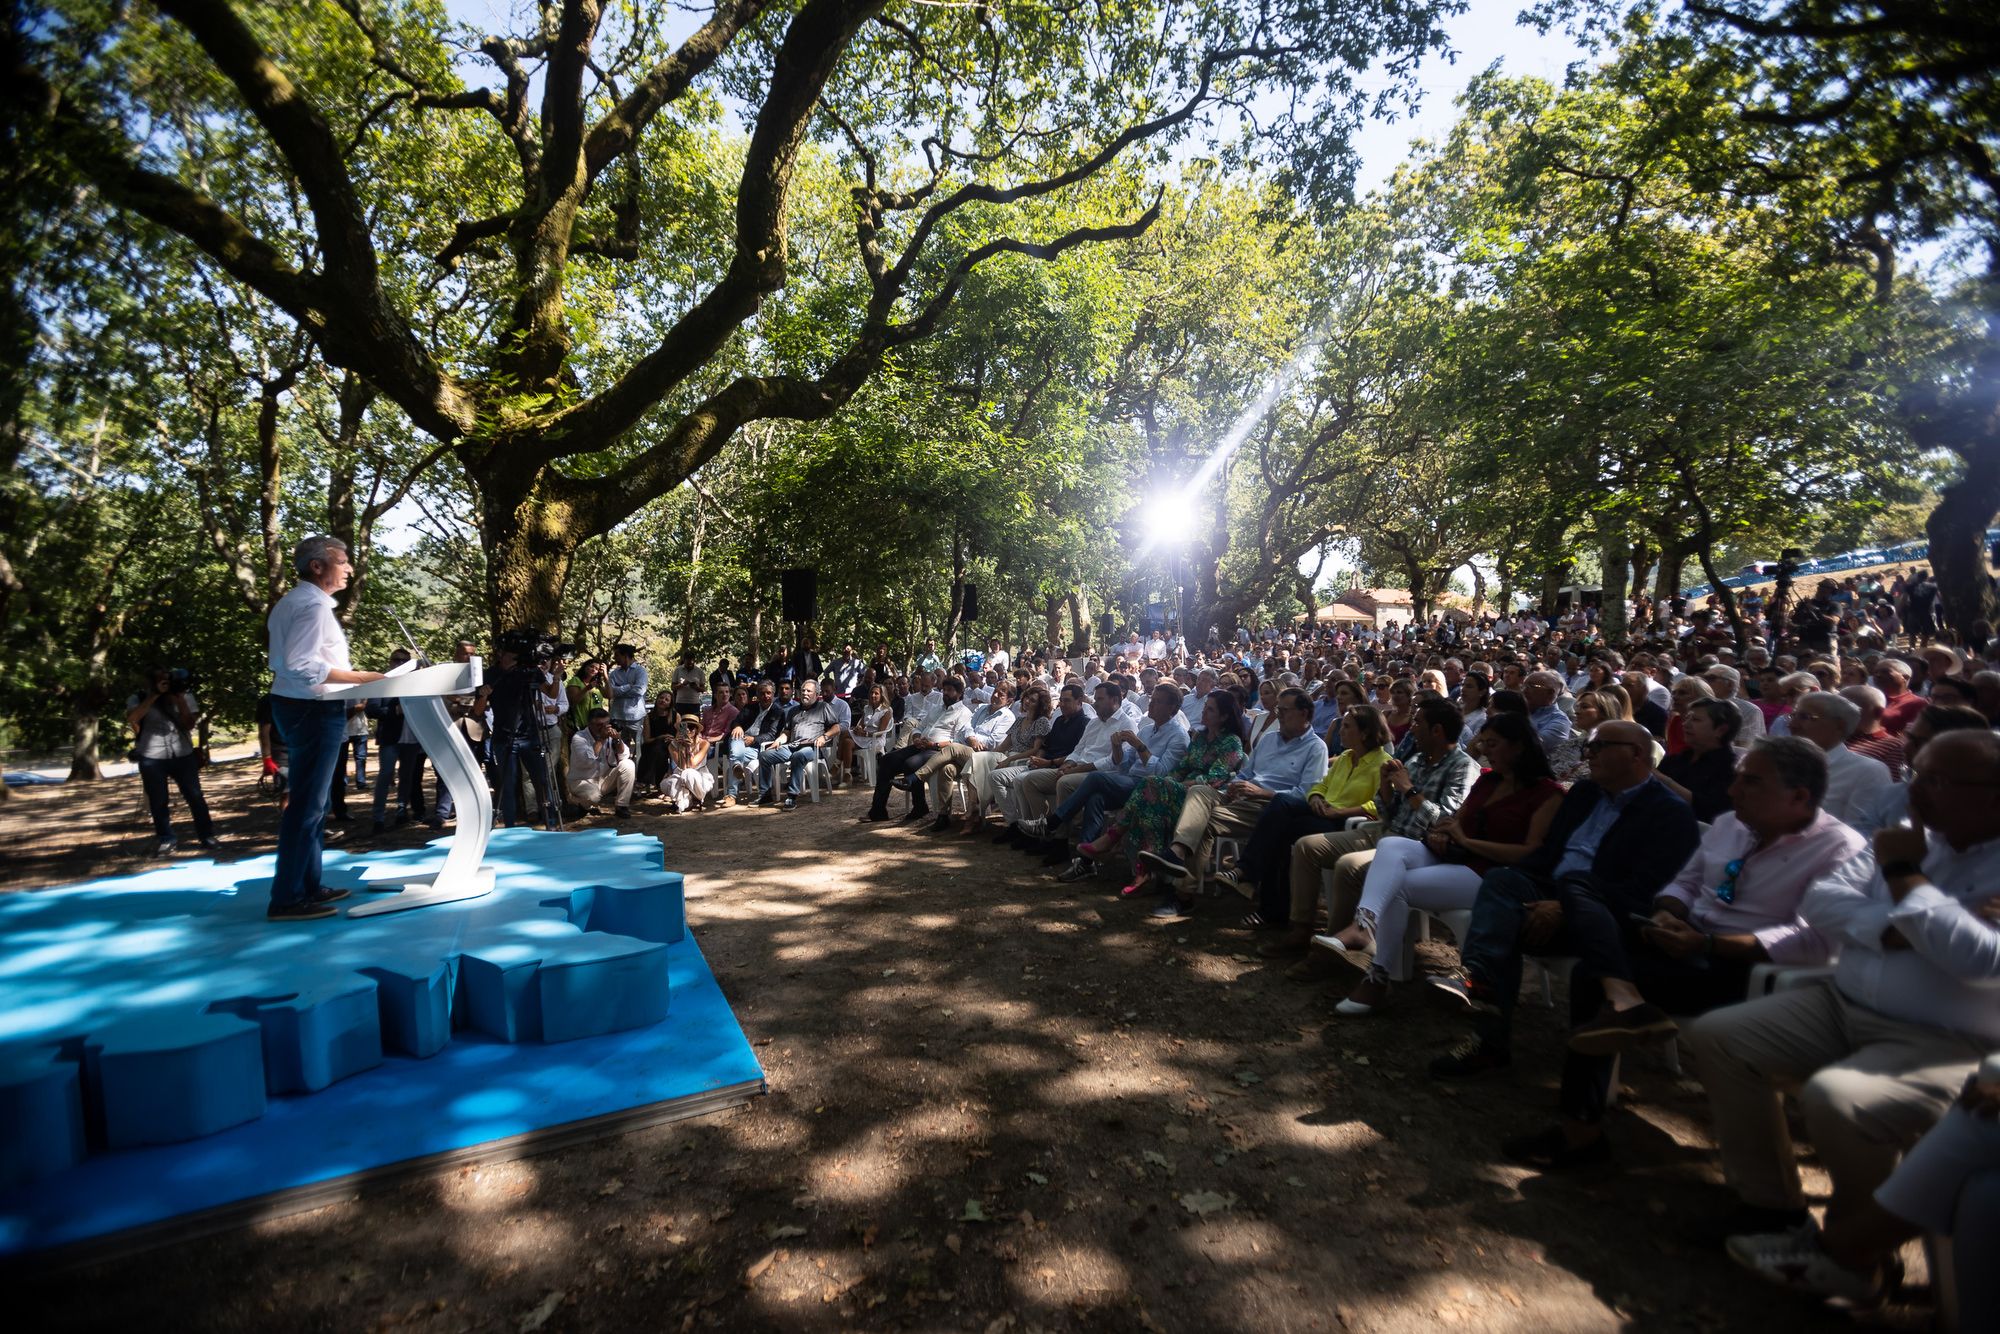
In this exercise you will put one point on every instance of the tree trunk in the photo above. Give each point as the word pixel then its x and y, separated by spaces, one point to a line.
pixel 530 545
pixel 952 618
pixel 1617 578
pixel 1079 620
pixel 83 760
pixel 1667 579
pixel 1957 532
pixel 1553 579
pixel 1052 620
pixel 1478 590
pixel 753 639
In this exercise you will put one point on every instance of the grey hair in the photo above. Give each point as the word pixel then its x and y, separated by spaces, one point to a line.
pixel 318 547
pixel 1552 680
pixel 1839 709
pixel 1864 697
pixel 1798 761
pixel 1798 681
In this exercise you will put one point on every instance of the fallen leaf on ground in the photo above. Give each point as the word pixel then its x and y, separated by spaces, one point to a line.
pixel 538 1317
pixel 973 1213
pixel 788 1230
pixel 761 1268
pixel 1206 1202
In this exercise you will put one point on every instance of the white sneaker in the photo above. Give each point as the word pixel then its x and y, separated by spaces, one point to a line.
pixel 1796 1260
pixel 1036 828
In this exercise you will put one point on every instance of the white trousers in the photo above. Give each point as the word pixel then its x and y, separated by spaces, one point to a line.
pixel 614 788
pixel 1404 875
pixel 687 787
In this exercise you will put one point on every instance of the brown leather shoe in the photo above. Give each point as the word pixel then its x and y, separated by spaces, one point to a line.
pixel 1296 940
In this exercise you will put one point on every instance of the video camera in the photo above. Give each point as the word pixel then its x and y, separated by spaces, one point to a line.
pixel 179 681
pixel 536 645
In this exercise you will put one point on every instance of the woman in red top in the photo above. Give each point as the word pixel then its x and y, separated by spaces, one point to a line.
pixel 1503 819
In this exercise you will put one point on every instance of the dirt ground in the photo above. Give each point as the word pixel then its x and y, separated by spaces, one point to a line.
pixel 997 1103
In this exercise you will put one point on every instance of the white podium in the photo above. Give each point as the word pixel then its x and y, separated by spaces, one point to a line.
pixel 422 691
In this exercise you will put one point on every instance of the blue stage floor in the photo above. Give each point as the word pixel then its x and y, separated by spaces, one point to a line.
pixel 478 1095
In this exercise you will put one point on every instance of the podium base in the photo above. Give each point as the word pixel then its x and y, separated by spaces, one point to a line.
pixel 421 892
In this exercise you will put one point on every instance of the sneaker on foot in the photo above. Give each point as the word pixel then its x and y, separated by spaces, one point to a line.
pixel 166 848
pixel 1038 827
pixel 1080 868
pixel 1796 1260
pixel 1469 1060
pixel 1165 863
pixel 1466 992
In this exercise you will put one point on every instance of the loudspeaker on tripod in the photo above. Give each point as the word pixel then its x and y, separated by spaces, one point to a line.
pixel 801 594
pixel 969 605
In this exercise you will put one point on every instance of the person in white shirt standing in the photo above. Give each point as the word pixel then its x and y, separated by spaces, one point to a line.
pixel 308 653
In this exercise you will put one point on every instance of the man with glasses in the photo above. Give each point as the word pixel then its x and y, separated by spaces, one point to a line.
pixel 1618 838
pixel 1877 1057
pixel 1854 783
pixel 1733 906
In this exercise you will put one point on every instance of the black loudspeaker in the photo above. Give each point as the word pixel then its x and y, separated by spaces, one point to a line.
pixel 801 594
pixel 1105 625
pixel 969 605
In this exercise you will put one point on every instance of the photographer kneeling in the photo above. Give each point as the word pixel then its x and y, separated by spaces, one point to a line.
pixel 164 716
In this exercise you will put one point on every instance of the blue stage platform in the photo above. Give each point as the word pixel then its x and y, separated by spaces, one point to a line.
pixel 169 1061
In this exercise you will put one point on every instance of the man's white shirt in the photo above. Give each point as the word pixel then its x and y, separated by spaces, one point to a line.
pixel 306 643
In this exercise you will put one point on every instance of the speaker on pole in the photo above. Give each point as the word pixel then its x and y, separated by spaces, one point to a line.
pixel 801 594
pixel 1105 625
pixel 969 605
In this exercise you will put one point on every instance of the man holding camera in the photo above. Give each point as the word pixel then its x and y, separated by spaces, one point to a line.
pixel 517 727
pixel 164 717
pixel 309 652
pixel 601 767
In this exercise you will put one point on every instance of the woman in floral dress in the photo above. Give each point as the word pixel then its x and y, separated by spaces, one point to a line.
pixel 1147 821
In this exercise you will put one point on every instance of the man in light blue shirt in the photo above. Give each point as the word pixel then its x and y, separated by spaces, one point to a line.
pixel 629 684
pixel 1551 724
pixel 990 724
pixel 1149 748
pixel 1290 759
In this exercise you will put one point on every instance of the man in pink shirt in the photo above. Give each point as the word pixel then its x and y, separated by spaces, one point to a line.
pixel 1892 677
pixel 1733 906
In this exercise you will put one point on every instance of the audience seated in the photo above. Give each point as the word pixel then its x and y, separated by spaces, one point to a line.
pixel 1617 839
pixel 1152 749
pixel 1701 772
pixel 1854 782
pixel 1879 1056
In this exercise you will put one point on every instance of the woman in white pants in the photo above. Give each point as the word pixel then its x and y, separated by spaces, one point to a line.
pixel 874 723
pixel 1503 819
pixel 1037 716
pixel 690 782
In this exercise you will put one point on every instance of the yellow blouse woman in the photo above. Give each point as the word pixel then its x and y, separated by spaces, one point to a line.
pixel 1353 775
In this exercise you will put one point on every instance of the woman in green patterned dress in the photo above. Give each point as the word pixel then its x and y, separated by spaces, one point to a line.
pixel 1149 815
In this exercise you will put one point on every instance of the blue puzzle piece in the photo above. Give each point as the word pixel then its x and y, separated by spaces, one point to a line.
pixel 570 943
pixel 164 1077
pixel 41 1107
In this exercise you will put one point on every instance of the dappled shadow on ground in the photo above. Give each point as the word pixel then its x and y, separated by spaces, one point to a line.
pixel 998 1102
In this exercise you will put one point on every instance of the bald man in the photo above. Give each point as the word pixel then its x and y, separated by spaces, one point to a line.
pixel 1619 837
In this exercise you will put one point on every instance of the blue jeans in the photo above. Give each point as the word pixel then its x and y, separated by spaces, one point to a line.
pixel 359 745
pixel 785 752
pixel 1593 930
pixel 1097 793
pixel 385 779
pixel 315 732
pixel 527 752
pixel 741 751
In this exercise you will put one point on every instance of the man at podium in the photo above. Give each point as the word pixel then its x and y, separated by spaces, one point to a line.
pixel 309 652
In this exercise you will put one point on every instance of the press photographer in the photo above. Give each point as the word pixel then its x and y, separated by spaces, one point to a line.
pixel 164 716
pixel 517 723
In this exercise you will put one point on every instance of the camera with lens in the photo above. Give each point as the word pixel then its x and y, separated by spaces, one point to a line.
pixel 535 645
pixel 179 681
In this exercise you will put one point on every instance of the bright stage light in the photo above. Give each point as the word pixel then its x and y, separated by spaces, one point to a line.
pixel 1170 519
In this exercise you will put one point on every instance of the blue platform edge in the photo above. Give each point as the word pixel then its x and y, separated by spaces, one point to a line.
pixel 476 1090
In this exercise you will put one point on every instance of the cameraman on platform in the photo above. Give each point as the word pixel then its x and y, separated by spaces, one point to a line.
pixel 517 727
pixel 164 717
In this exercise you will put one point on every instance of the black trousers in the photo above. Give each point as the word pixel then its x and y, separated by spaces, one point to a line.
pixel 1678 986
pixel 186 775
pixel 1594 929
pixel 902 760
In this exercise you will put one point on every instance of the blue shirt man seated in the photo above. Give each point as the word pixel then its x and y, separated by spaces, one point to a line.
pixel 1617 840
pixel 1150 749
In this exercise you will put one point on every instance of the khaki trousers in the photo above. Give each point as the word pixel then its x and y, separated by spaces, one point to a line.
pixel 1205 815
pixel 1869 1087
pixel 944 766
pixel 1348 853
pixel 1035 793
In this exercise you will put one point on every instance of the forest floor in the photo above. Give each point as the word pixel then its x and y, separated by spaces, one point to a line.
pixel 996 1103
